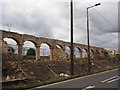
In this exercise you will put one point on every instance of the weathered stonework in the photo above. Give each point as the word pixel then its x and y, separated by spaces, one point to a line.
pixel 59 54
pixel 55 53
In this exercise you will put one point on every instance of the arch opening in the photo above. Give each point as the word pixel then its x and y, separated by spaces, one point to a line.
pixel 26 46
pixel 10 46
pixel 59 46
pixel 77 53
pixel 59 53
pixel 92 54
pixel 97 52
pixel 67 50
pixel 84 53
pixel 29 50
pixel 44 51
pixel 97 55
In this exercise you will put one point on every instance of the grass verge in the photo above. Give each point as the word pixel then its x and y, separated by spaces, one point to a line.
pixel 32 84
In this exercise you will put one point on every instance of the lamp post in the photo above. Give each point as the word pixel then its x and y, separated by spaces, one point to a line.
pixel 89 63
pixel 71 56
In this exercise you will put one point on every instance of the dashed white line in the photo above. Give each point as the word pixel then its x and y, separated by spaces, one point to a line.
pixel 88 87
pixel 113 80
pixel 109 79
pixel 71 80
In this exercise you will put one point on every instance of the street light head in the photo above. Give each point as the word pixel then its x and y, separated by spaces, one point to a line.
pixel 94 5
pixel 97 4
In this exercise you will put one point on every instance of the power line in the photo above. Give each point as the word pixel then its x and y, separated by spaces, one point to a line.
pixel 105 19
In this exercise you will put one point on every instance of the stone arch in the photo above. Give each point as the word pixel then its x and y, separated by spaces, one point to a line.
pixel 60 46
pixel 97 52
pixel 92 53
pixel 84 55
pixel 10 48
pixel 67 50
pixel 51 48
pixel 36 45
pixel 92 50
pixel 78 52
pixel 21 38
pixel 59 42
pixel 59 52
pixel 16 40
pixel 26 47
pixel 30 41
pixel 15 36
pixel 79 49
pixel 102 53
pixel 84 52
pixel 44 51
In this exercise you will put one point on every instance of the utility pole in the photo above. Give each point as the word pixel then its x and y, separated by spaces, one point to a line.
pixel 89 68
pixel 72 52
pixel 89 62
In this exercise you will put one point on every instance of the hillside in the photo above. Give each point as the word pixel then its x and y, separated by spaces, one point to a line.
pixel 44 70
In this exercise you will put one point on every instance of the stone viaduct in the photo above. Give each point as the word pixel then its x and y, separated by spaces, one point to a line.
pixel 21 38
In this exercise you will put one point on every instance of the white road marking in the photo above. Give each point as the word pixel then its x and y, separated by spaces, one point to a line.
pixel 72 79
pixel 88 87
pixel 113 80
pixel 109 79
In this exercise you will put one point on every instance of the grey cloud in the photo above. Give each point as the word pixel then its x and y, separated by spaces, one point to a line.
pixel 52 21
pixel 23 21
pixel 103 22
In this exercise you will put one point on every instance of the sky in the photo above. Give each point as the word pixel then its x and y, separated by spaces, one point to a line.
pixel 51 19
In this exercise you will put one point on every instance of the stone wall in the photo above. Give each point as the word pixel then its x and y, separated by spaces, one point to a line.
pixel 55 53
pixel 59 54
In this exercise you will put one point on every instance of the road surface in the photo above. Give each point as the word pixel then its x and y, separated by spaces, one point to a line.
pixel 108 79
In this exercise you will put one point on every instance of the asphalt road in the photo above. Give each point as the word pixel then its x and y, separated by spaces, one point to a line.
pixel 107 79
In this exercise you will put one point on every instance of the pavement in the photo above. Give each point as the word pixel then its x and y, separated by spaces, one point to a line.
pixel 107 79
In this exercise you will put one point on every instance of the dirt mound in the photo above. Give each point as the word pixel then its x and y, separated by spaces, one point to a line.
pixel 44 70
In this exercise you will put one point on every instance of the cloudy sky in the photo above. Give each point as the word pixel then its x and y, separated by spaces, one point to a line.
pixel 51 19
